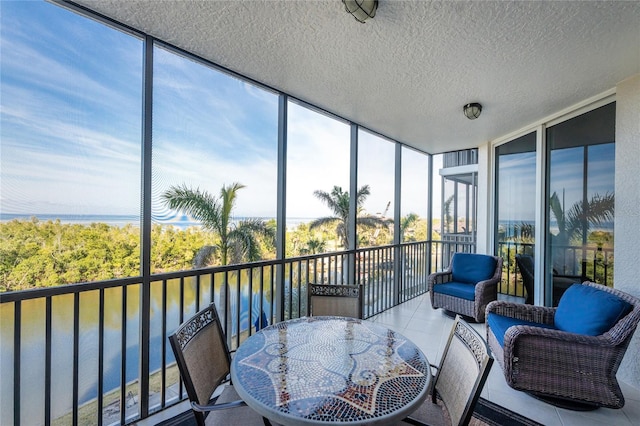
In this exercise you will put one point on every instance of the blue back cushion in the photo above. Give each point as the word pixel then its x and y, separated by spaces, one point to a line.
pixel 499 325
pixel 472 268
pixel 587 310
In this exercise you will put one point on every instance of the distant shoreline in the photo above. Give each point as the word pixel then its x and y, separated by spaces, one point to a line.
pixel 180 221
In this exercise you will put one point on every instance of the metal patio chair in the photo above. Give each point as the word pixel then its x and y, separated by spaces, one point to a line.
pixel 458 381
pixel 204 362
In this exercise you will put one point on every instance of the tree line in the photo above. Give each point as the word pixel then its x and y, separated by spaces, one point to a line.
pixel 36 253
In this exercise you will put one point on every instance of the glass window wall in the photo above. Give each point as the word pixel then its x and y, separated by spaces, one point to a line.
pixel 515 214
pixel 215 168
pixel 414 196
pixel 71 153
pixel 376 190
pixel 318 151
pixel 580 200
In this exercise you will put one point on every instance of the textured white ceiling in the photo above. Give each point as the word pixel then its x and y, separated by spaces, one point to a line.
pixel 407 73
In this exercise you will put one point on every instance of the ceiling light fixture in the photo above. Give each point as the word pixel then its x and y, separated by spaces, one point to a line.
pixel 472 110
pixel 361 9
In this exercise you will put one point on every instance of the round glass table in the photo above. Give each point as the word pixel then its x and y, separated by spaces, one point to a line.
pixel 330 370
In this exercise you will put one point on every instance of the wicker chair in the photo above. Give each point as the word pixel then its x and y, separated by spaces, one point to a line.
pixel 459 379
pixel 204 363
pixel 525 266
pixel 570 370
pixel 338 300
pixel 467 286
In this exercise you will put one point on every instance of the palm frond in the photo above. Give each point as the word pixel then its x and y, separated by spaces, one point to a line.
pixel 362 195
pixel 228 195
pixel 601 208
pixel 326 198
pixel 317 223
pixel 373 221
pixel 198 204
pixel 557 211
pixel 260 228
pixel 243 244
pixel 573 222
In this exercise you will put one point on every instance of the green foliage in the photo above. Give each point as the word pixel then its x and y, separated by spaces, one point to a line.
pixel 45 254
pixel 36 253
pixel 338 202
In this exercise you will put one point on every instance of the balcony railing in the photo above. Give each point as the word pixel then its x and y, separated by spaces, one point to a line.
pixel 97 353
pixel 460 158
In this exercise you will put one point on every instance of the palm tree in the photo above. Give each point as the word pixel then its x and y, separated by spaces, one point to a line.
pixel 407 222
pixel 238 242
pixel 314 246
pixel 338 202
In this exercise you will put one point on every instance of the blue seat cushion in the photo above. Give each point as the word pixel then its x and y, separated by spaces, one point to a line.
pixel 460 290
pixel 586 310
pixel 499 324
pixel 472 268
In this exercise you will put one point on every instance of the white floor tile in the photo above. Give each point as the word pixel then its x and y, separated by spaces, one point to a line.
pixel 429 330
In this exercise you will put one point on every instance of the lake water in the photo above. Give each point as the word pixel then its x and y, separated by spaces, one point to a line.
pixel 33 342
pixel 33 332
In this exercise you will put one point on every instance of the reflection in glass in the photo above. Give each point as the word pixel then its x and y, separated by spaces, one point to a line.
pixel 459 186
pixel 581 200
pixel 515 212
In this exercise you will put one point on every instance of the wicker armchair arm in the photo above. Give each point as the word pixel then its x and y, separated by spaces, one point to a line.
pixel 539 314
pixel 486 286
pixel 440 277
pixel 559 337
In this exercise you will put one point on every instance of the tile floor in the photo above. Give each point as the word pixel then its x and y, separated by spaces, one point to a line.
pixel 417 321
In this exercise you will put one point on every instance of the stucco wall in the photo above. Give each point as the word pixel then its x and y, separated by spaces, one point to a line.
pixel 627 210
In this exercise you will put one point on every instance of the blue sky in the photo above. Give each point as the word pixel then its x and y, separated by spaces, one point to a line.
pixel 71 126
pixel 58 112
pixel 517 187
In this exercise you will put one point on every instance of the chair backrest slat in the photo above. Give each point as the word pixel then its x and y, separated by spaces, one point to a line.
pixel 338 300
pixel 201 354
pixel 463 370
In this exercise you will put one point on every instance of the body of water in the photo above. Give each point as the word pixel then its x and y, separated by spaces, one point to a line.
pixel 179 221
pixel 32 345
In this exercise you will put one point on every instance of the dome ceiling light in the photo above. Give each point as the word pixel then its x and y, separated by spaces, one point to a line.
pixel 472 110
pixel 361 9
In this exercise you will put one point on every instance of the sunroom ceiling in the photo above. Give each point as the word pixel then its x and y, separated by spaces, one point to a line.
pixel 407 73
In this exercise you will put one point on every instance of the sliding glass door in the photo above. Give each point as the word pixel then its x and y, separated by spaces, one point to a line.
pixel 580 201
pixel 515 214
pixel 573 220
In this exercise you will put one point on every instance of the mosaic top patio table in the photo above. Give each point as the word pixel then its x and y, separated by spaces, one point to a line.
pixel 329 370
